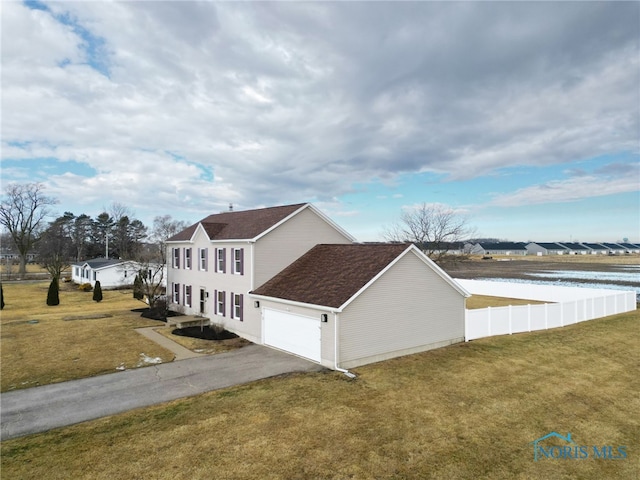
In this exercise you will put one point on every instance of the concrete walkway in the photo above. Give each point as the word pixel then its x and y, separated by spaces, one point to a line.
pixel 38 409
pixel 180 352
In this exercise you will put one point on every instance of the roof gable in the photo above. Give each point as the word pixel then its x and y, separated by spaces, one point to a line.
pixel 239 225
pixel 332 275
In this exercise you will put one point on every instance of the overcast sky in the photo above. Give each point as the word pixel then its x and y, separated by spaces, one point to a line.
pixel 523 116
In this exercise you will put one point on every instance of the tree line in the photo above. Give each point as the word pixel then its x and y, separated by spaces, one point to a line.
pixel 25 215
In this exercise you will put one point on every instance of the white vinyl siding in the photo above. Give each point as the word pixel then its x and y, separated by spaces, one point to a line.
pixel 280 247
pixel 407 309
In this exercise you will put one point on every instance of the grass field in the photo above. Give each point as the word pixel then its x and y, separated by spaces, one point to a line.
pixel 76 339
pixel 467 411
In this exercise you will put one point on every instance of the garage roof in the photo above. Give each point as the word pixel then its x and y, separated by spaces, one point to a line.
pixel 329 275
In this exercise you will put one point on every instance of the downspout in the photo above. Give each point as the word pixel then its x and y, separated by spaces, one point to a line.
pixel 335 348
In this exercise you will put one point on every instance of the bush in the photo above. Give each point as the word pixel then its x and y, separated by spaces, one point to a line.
pixel 85 287
pixel 53 296
pixel 97 292
pixel 138 293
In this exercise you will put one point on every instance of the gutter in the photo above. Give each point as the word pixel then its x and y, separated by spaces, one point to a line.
pixel 335 348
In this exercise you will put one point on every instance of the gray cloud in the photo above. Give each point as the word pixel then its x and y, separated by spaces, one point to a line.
pixel 299 101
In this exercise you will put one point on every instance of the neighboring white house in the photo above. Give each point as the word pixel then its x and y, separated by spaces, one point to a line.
pixel 111 273
pixel 290 278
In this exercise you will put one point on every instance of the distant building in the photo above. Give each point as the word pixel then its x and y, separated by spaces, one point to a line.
pixel 546 248
pixel 630 247
pixel 111 273
pixel 614 248
pixel 499 248
pixel 596 248
pixel 575 248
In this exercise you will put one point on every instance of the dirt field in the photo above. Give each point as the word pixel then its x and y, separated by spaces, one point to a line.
pixel 526 268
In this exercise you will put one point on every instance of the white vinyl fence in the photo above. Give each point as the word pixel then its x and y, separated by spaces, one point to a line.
pixel 569 305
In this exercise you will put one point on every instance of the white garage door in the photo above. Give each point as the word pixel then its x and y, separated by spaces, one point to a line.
pixel 292 333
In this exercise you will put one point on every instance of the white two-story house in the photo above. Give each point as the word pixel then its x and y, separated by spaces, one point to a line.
pixel 214 263
pixel 290 278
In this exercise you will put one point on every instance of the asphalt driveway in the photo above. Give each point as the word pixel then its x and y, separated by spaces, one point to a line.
pixel 39 409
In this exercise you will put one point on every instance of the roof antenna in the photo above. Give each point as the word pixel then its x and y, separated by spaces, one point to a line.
pixel 231 207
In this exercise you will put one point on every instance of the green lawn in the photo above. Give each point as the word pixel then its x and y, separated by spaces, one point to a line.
pixel 467 411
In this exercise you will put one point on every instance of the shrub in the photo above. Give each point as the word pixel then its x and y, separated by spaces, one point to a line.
pixel 97 292
pixel 85 287
pixel 138 294
pixel 53 296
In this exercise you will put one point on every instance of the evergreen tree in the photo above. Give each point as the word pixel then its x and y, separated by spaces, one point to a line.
pixel 97 291
pixel 1 298
pixel 53 296
pixel 138 294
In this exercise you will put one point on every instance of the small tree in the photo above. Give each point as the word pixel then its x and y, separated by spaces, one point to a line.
pixel 1 298
pixel 138 292
pixel 53 295
pixel 97 292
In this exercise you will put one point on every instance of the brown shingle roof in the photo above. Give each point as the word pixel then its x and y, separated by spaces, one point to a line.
pixel 240 225
pixel 329 275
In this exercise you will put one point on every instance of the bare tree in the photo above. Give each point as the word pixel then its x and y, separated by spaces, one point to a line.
pixel 165 227
pixel 22 213
pixel 151 264
pixel 55 246
pixel 434 228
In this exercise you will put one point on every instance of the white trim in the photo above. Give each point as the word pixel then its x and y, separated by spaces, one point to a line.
pixel 270 229
pixel 317 212
pixel 421 256
pixel 411 248
pixel 444 275
pixel 294 303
